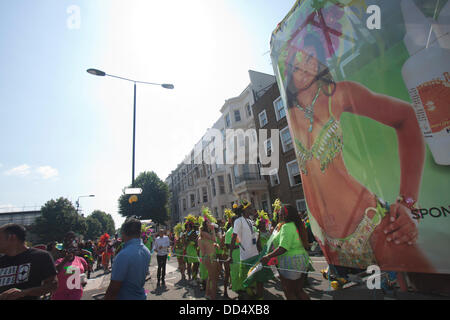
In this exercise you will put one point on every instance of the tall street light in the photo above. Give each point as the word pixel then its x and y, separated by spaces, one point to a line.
pixel 100 73
pixel 78 200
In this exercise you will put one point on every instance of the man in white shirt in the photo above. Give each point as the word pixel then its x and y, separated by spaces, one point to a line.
pixel 246 232
pixel 161 246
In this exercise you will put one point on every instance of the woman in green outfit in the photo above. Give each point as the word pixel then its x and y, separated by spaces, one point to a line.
pixel 190 251
pixel 288 249
pixel 236 283
pixel 263 225
pixel 207 244
pixel 222 252
pixel 226 264
pixel 179 248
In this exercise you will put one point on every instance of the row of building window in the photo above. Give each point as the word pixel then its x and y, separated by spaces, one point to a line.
pixel 286 142
pixel 237 115
pixel 280 112
pixel 221 182
pixel 293 173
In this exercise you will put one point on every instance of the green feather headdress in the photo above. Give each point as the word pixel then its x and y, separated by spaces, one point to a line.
pixel 179 227
pixel 206 216
pixel 263 217
pixel 228 214
pixel 190 219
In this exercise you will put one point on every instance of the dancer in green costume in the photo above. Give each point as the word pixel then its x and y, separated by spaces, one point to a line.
pixel 190 252
pixel 203 275
pixel 287 246
pixel 179 248
pixel 226 240
pixel 207 244
pixel 263 226
pixel 236 283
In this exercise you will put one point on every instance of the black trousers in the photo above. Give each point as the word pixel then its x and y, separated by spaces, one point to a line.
pixel 161 267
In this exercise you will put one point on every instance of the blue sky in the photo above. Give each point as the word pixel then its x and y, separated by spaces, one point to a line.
pixel 66 133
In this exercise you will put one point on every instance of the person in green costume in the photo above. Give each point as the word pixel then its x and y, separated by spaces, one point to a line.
pixel 247 233
pixel 190 251
pixel 234 266
pixel 148 242
pixel 221 252
pixel 179 248
pixel 288 247
pixel 203 276
pixel 263 225
pixel 207 245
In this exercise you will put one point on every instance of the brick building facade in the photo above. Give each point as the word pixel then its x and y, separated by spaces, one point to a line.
pixel 285 184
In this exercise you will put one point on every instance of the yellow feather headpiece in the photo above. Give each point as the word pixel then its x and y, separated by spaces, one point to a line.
pixel 276 208
pixel 245 204
pixel 190 219
pixel 229 213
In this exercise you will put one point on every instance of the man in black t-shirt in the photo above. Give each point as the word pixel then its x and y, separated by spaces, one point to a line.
pixel 25 273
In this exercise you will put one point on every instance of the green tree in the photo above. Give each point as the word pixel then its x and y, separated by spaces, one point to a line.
pixel 57 218
pixel 106 221
pixel 152 203
pixel 94 228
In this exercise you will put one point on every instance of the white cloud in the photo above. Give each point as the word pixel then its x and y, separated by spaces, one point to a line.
pixel 47 172
pixel 22 170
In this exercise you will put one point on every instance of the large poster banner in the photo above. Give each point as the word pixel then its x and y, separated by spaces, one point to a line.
pixel 366 85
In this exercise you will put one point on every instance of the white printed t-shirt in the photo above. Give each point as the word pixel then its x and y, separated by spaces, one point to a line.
pixel 161 245
pixel 246 233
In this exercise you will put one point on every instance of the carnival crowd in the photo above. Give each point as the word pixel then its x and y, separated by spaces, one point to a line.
pixel 246 250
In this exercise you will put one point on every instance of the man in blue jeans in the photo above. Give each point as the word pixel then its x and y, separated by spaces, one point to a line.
pixel 130 265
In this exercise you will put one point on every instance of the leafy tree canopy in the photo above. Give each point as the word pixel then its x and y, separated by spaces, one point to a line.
pixel 106 221
pixel 57 218
pixel 60 216
pixel 152 203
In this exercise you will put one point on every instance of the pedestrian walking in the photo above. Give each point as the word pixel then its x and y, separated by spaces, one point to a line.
pixel 26 273
pixel 130 265
pixel 161 246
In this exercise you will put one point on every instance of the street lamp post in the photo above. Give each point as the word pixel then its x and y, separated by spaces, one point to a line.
pixel 78 200
pixel 100 73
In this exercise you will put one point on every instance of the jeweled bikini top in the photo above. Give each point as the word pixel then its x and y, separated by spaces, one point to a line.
pixel 326 147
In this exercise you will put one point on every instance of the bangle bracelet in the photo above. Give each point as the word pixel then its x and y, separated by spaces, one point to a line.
pixel 409 202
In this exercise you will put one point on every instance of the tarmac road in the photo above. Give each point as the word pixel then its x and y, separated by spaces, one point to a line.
pixel 176 289
pixel 318 288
